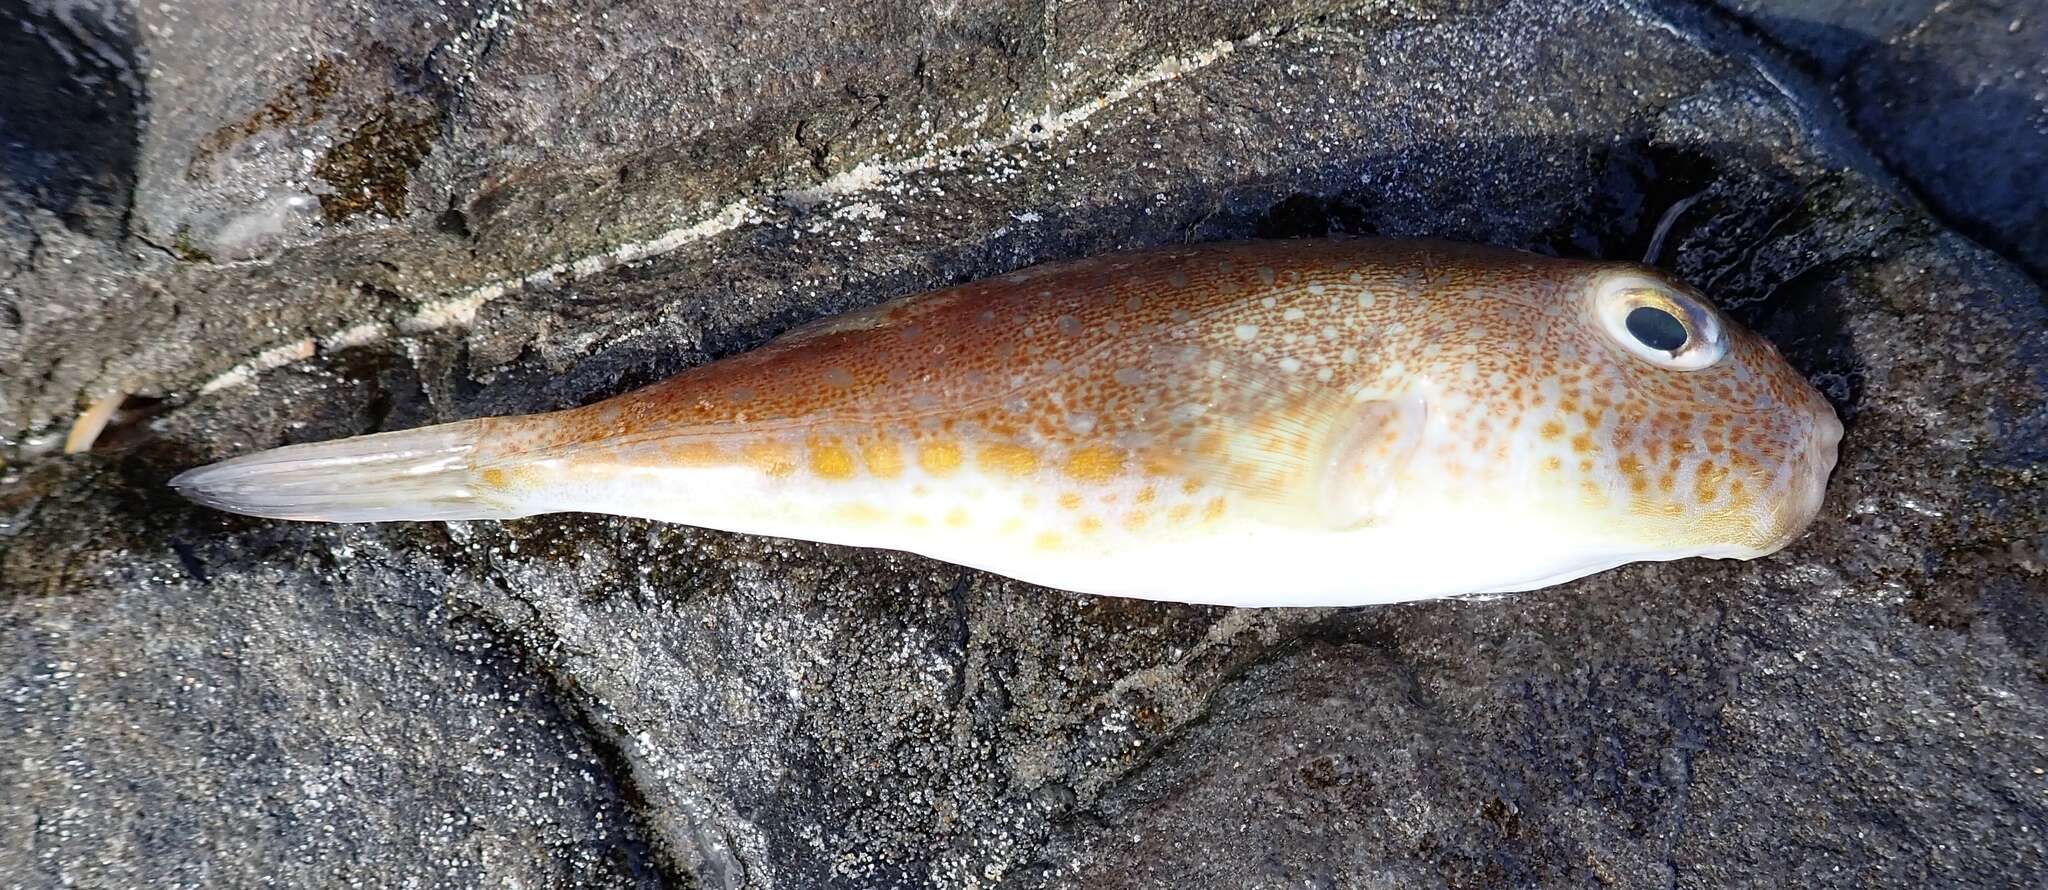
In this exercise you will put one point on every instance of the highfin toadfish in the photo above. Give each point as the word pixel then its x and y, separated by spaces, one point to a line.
pixel 1299 423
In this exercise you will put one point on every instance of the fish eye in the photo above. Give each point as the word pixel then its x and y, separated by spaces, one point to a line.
pixel 1657 328
pixel 1659 323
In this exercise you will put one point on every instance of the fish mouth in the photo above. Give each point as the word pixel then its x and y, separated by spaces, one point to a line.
pixel 1801 494
pixel 1809 483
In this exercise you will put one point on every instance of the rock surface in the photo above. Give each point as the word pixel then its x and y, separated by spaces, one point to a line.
pixel 1952 96
pixel 400 212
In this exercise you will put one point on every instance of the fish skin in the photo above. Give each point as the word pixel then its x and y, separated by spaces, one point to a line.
pixel 1249 423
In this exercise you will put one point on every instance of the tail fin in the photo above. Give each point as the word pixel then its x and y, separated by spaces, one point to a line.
pixel 420 474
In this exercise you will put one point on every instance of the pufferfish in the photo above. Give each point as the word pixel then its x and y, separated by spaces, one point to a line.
pixel 1262 423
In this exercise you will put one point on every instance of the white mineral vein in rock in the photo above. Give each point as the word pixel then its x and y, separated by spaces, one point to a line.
pixel 461 310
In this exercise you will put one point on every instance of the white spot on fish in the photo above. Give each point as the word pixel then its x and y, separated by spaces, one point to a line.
pixel 1316 289
pixel 1290 364
pixel 1294 314
pixel 1247 331
pixel 1349 355
pixel 1366 299
pixel 1128 376
pixel 1324 374
pixel 1069 325
pixel 1269 302
pixel 1081 422
pixel 838 377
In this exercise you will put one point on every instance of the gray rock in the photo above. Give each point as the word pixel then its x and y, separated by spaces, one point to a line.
pixel 376 155
pixel 593 700
pixel 1953 96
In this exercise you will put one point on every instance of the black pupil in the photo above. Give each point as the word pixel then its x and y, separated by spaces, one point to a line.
pixel 1656 328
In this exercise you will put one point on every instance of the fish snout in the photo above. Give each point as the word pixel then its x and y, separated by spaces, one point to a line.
pixel 1813 465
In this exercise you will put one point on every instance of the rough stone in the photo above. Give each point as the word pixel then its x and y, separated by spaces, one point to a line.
pixel 1952 96
pixel 598 701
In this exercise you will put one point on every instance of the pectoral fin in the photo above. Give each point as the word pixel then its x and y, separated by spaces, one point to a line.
pixel 1299 451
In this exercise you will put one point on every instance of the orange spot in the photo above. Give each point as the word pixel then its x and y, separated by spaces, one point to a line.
pixel 831 462
pixel 1551 429
pixel 770 458
pixel 1553 464
pixel 1180 513
pixel 1706 482
pixel 1191 486
pixel 883 458
pixel 1582 443
pixel 1592 494
pixel 1095 464
pixel 1011 460
pixel 1049 541
pixel 1213 510
pixel 916 520
pixel 1090 525
pixel 939 458
pixel 1070 501
pixel 957 518
pixel 495 477
pixel 1147 495
pixel 1136 519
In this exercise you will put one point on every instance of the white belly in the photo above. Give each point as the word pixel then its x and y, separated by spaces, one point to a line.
pixel 1119 540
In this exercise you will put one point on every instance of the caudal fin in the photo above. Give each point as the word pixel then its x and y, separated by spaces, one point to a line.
pixel 421 474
